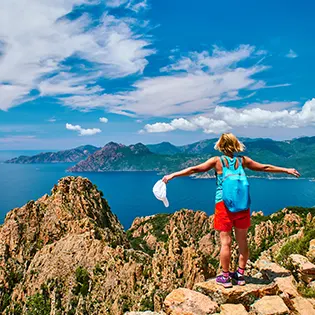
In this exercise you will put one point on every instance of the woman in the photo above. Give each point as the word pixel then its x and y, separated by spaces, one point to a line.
pixel 225 220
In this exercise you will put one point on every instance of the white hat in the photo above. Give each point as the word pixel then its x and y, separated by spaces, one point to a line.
pixel 159 191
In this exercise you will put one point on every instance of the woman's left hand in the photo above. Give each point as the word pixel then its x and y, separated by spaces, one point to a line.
pixel 167 178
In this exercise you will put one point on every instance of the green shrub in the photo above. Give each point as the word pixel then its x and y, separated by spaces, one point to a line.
pixel 38 304
pixel 83 278
pixel 306 292
pixel 296 246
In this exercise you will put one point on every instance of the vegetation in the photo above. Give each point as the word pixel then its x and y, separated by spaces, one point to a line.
pixel 296 246
pixel 83 279
pixel 38 304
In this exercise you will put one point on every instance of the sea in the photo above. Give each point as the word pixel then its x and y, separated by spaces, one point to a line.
pixel 129 194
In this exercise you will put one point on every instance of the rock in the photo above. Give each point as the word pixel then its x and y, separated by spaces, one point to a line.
pixel 287 285
pixel 145 313
pixel 305 268
pixel 245 295
pixel 233 309
pixel 270 269
pixel 309 218
pixel 311 252
pixel 270 305
pixel 303 306
pixel 281 276
pixel 312 285
pixel 188 302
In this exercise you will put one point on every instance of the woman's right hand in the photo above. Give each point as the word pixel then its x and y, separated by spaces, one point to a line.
pixel 167 178
pixel 293 171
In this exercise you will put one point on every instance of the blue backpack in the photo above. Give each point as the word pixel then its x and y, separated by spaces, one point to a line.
pixel 235 186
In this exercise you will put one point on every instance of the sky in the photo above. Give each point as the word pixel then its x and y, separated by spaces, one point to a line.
pixel 76 72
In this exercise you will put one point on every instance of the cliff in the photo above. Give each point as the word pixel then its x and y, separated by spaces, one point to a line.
pixel 67 253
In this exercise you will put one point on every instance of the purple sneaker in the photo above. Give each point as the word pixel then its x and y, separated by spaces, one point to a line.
pixel 237 278
pixel 226 282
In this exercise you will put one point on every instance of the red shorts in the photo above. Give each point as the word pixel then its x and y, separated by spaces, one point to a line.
pixel 224 220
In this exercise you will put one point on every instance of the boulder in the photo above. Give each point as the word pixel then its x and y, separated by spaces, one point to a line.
pixel 270 305
pixel 184 301
pixel 303 306
pixel 245 295
pixel 305 268
pixel 233 309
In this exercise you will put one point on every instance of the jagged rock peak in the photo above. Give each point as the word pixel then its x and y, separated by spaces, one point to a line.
pixel 75 206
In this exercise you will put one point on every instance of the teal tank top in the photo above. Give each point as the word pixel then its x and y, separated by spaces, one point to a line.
pixel 219 192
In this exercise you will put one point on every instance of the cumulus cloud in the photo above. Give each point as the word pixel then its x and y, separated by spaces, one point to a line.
pixel 193 84
pixel 82 131
pixel 225 118
pixel 35 48
pixel 104 120
pixel 292 54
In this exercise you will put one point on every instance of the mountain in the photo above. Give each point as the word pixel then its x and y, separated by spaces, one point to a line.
pixel 118 157
pixel 67 253
pixel 164 148
pixel 66 156
pixel 297 153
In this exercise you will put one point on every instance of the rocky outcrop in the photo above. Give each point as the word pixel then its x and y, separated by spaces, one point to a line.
pixel 237 294
pixel 67 253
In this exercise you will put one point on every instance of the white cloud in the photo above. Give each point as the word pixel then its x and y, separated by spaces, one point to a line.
pixel 183 124
pixel 52 120
pixel 292 54
pixel 158 127
pixel 192 85
pixel 138 6
pixel 82 131
pixel 104 120
pixel 35 47
pixel 220 59
pixel 115 3
pixel 224 118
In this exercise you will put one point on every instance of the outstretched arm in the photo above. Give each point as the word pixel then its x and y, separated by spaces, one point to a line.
pixel 255 166
pixel 204 167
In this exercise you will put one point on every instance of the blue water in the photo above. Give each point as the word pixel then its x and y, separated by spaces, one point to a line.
pixel 130 194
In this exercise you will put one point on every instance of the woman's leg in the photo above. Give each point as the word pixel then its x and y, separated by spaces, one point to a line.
pixel 241 238
pixel 225 253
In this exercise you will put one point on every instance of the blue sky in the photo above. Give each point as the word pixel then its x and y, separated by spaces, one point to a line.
pixel 88 71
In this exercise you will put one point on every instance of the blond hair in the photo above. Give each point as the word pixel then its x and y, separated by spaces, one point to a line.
pixel 229 144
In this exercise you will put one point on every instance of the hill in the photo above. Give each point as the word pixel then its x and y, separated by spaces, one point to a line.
pixel 165 148
pixel 66 156
pixel 118 157
pixel 67 253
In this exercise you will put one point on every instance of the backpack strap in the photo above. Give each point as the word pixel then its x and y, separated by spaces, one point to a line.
pixel 240 162
pixel 223 163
